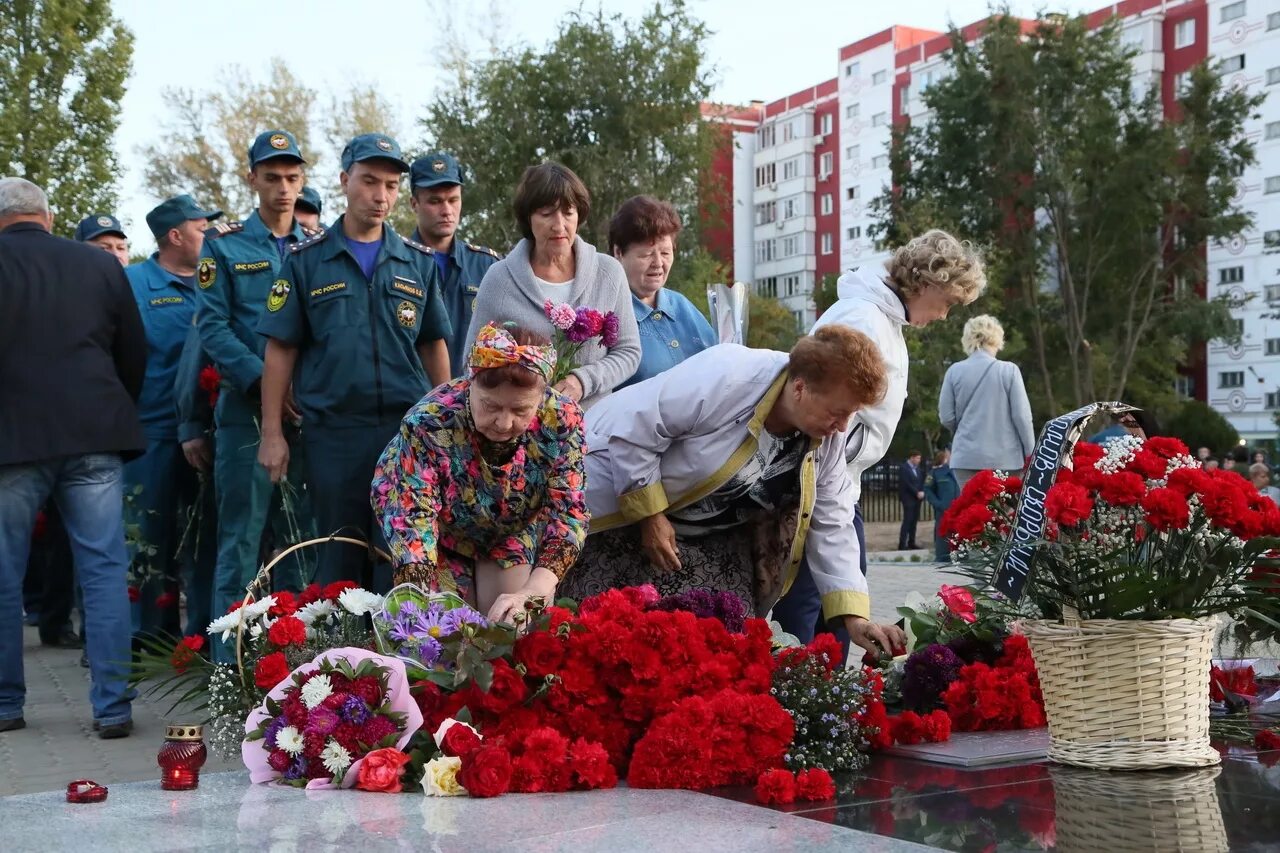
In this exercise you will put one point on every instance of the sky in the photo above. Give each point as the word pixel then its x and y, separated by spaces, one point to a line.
pixel 760 49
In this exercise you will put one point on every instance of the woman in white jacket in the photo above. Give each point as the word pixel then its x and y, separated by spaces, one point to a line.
pixel 921 283
pixel 684 468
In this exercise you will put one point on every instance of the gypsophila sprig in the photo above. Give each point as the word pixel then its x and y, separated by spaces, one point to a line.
pixel 824 700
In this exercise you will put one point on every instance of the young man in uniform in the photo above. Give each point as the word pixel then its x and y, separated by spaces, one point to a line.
pixel 435 186
pixel 159 483
pixel 241 260
pixel 357 311
pixel 307 210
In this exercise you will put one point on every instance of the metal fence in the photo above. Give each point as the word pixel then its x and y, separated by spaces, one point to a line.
pixel 879 501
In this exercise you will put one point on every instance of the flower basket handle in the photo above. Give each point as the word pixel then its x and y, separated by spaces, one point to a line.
pixel 262 580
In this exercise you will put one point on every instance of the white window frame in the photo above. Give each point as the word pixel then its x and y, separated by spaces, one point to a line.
pixel 1231 11
pixel 1271 185
pixel 1273 76
pixel 1230 275
pixel 826 165
pixel 826 243
pixel 879 119
pixel 1271 293
pixel 1272 130
pixel 828 204
pixel 825 122
pixel 1273 346
pixel 879 77
pixel 1231 379
pixel 1184 33
pixel 880 161
pixel 1232 64
pixel 851 111
pixel 853 193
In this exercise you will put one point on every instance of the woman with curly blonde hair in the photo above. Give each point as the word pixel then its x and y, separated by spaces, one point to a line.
pixel 984 404
pixel 919 284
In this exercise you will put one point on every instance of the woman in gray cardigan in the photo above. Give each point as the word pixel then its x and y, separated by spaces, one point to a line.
pixel 552 263
pixel 984 404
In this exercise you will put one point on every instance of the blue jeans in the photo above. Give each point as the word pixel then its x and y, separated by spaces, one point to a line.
pixel 799 612
pixel 89 494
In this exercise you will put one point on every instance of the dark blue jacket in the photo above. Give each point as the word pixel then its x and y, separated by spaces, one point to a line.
pixel 941 488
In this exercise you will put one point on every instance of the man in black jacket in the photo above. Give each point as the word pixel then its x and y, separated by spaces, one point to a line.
pixel 911 493
pixel 72 357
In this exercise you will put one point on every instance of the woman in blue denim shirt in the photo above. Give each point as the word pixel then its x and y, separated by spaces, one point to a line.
pixel 642 237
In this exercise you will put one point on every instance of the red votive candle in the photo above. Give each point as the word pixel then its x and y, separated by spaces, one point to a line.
pixel 181 757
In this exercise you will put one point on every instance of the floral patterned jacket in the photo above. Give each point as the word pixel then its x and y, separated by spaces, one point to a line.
pixel 434 490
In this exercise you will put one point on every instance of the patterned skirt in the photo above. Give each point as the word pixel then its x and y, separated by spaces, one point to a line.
pixel 720 561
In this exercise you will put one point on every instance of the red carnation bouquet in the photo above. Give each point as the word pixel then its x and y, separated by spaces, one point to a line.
pixel 1134 530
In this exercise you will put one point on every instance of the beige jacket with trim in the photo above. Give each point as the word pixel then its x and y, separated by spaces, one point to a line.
pixel 668 442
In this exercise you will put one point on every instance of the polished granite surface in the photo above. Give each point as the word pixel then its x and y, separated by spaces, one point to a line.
pixel 227 813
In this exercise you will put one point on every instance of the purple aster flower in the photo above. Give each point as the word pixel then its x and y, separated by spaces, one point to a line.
pixel 322 721
pixel 408 622
pixel 926 674
pixel 452 622
pixel 276 725
pixel 354 710
pixel 427 649
pixel 298 769
pixel 609 337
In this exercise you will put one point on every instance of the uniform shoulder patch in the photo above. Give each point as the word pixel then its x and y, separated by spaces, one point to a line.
pixel 312 232
pixel 484 250
pixel 316 237
pixel 221 229
pixel 414 244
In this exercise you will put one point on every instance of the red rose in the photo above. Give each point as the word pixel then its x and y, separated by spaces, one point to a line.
pixel 1123 488
pixel 486 772
pixel 539 652
pixel 1267 739
pixel 459 741
pixel 507 689
pixel 776 786
pixel 271 670
pixel 194 642
pixel 815 784
pixel 165 600
pixel 287 631
pixel 1166 509
pixel 959 601
pixel 1068 504
pixel 333 590
pixel 381 770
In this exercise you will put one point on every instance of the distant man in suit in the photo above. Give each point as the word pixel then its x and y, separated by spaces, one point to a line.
pixel 911 493
pixel 72 357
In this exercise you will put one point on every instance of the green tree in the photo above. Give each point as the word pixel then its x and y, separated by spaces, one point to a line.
pixel 1098 203
pixel 1199 425
pixel 204 145
pixel 63 70
pixel 770 325
pixel 616 100
pixel 825 295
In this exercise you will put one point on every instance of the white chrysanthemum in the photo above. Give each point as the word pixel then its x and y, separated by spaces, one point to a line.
pixel 224 625
pixel 315 612
pixel 290 740
pixel 359 601
pixel 316 691
pixel 335 758
pixel 258 609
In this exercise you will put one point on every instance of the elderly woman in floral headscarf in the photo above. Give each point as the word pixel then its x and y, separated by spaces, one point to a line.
pixel 483 487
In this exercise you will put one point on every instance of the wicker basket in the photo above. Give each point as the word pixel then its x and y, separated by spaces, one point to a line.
pixel 1156 811
pixel 1126 695
pixel 261 583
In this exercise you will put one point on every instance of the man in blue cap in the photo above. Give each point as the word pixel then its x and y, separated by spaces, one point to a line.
pixel 436 198
pixel 357 311
pixel 308 208
pixel 105 231
pixel 240 263
pixel 159 484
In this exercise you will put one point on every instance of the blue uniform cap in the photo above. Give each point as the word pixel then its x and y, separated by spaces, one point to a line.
pixel 175 211
pixel 373 146
pixel 310 199
pixel 434 169
pixel 273 144
pixel 97 225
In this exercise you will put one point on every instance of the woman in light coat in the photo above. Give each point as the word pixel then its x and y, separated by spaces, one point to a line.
pixel 984 404
pixel 682 469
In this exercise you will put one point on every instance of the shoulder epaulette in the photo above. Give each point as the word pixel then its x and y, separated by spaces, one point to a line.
pixel 310 241
pixel 484 250
pixel 313 232
pixel 220 229
pixel 414 244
